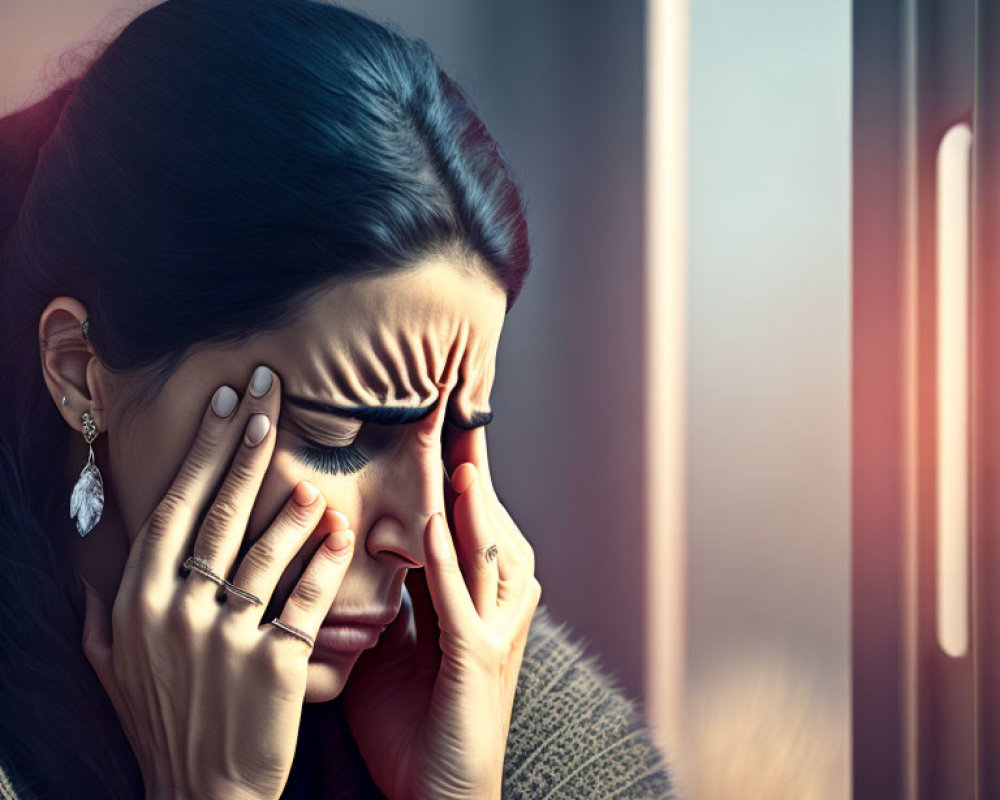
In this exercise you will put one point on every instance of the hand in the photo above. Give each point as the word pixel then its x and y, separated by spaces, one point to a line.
pixel 209 698
pixel 429 707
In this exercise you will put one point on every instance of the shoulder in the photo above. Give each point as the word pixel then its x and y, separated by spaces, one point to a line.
pixel 574 733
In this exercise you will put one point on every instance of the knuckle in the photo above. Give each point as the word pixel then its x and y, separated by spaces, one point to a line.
pixel 206 445
pixel 168 509
pixel 146 608
pixel 258 558
pixel 301 516
pixel 230 634
pixel 306 594
pixel 220 515
pixel 275 658
pixel 242 473
pixel 177 618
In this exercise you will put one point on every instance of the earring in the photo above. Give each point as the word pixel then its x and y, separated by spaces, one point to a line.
pixel 87 501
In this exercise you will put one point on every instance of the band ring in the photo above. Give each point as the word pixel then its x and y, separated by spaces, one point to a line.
pixel 489 552
pixel 296 632
pixel 202 567
pixel 229 588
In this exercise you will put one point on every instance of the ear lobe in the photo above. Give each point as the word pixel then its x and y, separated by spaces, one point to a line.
pixel 65 359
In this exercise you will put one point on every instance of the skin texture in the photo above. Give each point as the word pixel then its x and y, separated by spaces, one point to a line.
pixel 423 337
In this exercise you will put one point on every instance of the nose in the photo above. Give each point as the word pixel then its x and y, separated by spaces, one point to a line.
pixel 409 489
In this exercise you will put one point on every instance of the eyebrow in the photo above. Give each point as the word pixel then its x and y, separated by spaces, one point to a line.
pixel 388 415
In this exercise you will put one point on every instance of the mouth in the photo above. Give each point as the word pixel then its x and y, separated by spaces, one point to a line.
pixel 341 638
pixel 340 635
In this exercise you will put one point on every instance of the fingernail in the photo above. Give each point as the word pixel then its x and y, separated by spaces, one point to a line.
pixel 224 401
pixel 257 429
pixel 260 383
pixel 340 520
pixel 341 540
pixel 305 493
pixel 466 477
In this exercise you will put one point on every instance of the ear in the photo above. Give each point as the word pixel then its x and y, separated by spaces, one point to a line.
pixel 70 367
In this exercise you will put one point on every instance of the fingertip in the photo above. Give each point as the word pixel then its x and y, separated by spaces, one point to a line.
pixel 463 477
pixel 337 520
pixel 438 538
pixel 340 541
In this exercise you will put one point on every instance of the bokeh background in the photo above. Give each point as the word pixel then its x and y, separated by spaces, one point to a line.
pixel 766 396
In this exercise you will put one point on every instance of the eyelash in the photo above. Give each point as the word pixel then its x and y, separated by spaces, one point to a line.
pixel 333 460
pixel 345 460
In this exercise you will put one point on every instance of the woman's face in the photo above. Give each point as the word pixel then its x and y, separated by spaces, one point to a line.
pixel 377 341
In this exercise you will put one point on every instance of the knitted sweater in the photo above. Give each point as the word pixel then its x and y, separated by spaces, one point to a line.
pixel 574 735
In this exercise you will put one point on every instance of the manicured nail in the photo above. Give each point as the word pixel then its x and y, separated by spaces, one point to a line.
pixel 257 429
pixel 260 383
pixel 305 493
pixel 224 401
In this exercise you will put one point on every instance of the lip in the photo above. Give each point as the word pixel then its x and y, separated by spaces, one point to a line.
pixel 347 637
pixel 377 620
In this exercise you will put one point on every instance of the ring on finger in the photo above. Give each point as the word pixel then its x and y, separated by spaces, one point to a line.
pixel 229 588
pixel 202 567
pixel 489 552
pixel 296 632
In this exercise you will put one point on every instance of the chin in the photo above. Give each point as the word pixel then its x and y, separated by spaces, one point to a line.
pixel 325 679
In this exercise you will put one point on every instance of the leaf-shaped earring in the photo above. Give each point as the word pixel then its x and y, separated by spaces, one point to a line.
pixel 87 501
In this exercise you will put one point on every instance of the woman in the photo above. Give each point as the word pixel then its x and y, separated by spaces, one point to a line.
pixel 255 265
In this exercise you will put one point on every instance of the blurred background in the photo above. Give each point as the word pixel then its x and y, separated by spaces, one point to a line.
pixel 749 536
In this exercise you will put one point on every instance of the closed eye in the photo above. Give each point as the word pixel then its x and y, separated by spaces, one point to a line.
pixel 348 459
pixel 332 460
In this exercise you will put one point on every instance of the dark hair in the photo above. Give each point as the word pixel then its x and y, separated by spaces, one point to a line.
pixel 217 162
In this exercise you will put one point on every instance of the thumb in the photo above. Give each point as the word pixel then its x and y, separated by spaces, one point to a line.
pixel 97 638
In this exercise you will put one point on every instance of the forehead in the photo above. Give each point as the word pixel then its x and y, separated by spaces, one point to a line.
pixel 390 339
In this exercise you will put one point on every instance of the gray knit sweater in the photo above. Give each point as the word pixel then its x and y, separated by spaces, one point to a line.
pixel 574 735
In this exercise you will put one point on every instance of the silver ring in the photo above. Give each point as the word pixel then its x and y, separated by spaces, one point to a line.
pixel 231 589
pixel 202 567
pixel 490 552
pixel 296 632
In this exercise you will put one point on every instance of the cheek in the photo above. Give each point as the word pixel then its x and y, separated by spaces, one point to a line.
pixel 284 472
pixel 146 451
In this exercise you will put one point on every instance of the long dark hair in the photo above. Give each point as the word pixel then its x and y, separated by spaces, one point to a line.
pixel 216 162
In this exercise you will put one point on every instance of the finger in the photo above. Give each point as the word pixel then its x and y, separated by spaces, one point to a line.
pixel 312 596
pixel 476 539
pixel 163 536
pixel 262 566
pixel 221 532
pixel 97 646
pixel 164 541
pixel 470 445
pixel 455 609
pixel 97 639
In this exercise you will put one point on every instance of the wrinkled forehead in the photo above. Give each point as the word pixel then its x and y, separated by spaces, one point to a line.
pixel 391 339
